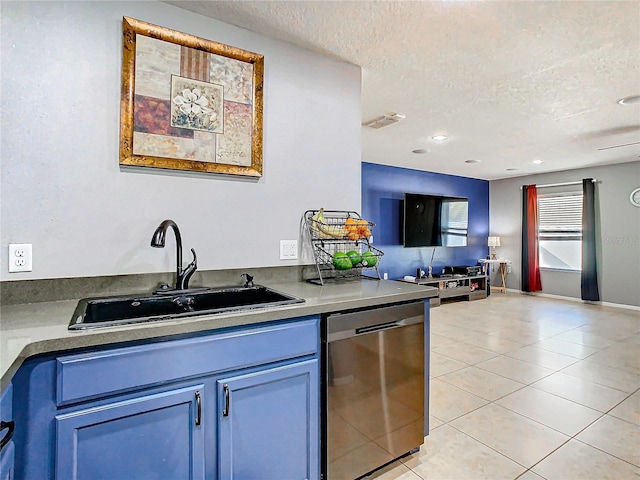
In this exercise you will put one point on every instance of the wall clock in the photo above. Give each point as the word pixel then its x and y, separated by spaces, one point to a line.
pixel 634 198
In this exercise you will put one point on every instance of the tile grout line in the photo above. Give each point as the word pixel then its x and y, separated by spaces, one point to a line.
pixel 570 437
pixel 548 310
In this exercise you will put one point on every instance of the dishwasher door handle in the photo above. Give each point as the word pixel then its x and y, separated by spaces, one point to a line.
pixel 379 327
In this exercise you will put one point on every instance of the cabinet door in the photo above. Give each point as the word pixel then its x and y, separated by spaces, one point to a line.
pixel 269 424
pixel 7 454
pixel 158 436
pixel 7 461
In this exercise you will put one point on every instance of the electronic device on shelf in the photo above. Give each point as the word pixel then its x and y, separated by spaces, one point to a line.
pixel 464 271
pixel 454 285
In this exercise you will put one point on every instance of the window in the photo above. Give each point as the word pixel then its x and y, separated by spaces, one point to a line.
pixel 560 230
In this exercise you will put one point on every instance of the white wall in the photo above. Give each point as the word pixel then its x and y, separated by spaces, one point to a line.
pixel 619 237
pixel 63 190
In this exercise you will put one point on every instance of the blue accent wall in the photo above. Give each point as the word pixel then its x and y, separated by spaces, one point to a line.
pixel 383 189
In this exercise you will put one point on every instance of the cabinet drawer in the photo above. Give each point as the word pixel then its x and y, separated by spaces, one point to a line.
pixel 92 375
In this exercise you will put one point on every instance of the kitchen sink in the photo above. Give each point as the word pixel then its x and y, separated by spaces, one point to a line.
pixel 122 310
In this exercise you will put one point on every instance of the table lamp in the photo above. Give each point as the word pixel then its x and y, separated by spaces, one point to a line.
pixel 493 242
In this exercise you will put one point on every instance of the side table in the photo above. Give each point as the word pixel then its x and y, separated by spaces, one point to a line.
pixel 503 264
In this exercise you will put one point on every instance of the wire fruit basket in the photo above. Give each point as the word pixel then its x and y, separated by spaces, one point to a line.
pixel 341 244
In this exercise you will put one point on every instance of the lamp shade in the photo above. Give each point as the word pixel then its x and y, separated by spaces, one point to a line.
pixel 494 241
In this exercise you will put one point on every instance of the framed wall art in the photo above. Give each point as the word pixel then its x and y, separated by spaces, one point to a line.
pixel 188 103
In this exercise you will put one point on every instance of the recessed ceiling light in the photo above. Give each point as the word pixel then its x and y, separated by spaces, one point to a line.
pixel 538 162
pixel 439 138
pixel 629 100
pixel 419 151
pixel 473 160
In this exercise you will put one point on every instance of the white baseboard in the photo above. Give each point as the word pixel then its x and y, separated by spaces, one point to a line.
pixel 574 299
pixel 618 305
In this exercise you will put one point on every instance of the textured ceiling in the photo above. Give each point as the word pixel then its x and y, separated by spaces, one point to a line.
pixel 508 81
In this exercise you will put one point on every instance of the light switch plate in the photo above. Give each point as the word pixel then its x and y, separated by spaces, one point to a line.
pixel 288 249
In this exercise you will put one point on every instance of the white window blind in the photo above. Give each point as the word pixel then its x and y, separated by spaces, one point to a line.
pixel 560 217
pixel 560 230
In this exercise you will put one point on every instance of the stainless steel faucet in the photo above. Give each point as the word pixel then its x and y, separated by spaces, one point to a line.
pixel 157 241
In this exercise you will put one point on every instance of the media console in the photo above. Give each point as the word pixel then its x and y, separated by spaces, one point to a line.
pixel 473 287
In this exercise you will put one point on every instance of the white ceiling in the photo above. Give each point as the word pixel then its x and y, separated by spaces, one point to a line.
pixel 508 81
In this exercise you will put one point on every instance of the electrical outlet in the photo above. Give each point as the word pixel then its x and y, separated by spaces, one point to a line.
pixel 20 257
pixel 288 249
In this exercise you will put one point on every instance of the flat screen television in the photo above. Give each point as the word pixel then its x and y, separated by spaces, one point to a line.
pixel 435 221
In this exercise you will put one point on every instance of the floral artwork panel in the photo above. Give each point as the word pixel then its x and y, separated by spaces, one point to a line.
pixel 201 148
pixel 156 61
pixel 194 64
pixel 204 146
pixel 237 117
pixel 151 115
pixel 188 103
pixel 234 147
pixel 197 105
pixel 236 77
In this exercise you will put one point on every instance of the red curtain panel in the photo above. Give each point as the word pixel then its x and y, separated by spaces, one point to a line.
pixel 530 256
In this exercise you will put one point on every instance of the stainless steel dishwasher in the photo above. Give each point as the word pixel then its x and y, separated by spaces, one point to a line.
pixel 375 387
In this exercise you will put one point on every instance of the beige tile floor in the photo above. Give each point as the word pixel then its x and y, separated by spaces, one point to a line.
pixel 531 388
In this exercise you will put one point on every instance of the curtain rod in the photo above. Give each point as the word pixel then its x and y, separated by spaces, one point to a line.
pixel 565 184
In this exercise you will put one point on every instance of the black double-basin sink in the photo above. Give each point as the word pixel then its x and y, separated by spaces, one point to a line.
pixel 123 310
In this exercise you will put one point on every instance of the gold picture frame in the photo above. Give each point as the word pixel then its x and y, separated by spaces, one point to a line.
pixel 188 103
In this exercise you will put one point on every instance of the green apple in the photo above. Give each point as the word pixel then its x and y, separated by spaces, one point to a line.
pixel 369 259
pixel 355 257
pixel 341 261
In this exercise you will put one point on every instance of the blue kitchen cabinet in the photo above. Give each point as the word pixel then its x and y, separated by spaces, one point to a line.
pixel 153 410
pixel 7 455
pixel 158 436
pixel 268 427
pixel 7 460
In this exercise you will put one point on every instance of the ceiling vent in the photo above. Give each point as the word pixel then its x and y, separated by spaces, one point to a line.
pixel 384 121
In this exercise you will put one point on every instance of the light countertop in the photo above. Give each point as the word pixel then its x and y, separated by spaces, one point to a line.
pixel 39 328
